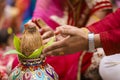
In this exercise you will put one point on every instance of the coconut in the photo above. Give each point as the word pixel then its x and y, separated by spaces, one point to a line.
pixel 30 40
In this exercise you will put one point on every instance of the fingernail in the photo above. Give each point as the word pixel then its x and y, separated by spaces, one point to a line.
pixel 49 53
pixel 43 51
pixel 56 32
pixel 40 30
pixel 33 20
pixel 38 20
pixel 42 56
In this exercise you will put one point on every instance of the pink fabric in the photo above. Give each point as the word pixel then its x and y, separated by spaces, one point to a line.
pixel 4 60
pixel 45 8
pixel 117 3
pixel 5 64
pixel 15 63
pixel 64 65
pixel 67 66
pixel 109 29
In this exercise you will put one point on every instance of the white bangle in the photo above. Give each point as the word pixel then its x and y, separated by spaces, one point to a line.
pixel 91 42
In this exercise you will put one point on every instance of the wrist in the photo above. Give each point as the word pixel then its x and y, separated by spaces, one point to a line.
pixel 85 30
pixel 91 42
pixel 97 41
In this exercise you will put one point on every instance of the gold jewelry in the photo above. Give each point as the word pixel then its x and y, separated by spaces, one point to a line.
pixel 85 30
pixel 95 17
pixel 9 30
pixel 61 53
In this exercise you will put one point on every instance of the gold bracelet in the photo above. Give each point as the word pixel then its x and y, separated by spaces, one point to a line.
pixel 95 17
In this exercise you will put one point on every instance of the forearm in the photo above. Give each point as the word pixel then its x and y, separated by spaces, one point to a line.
pixel 108 40
pixel 97 16
pixel 110 22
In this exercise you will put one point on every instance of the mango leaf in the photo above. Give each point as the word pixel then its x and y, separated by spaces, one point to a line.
pixel 36 53
pixel 14 52
pixel 16 42
pixel 50 42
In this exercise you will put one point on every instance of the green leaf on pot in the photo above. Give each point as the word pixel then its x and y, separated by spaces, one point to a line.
pixel 14 52
pixel 50 42
pixel 36 53
pixel 16 42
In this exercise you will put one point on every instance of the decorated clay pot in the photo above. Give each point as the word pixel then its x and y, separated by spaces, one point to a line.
pixel 29 49
pixel 33 69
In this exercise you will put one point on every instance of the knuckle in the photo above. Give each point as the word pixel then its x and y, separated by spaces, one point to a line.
pixel 64 43
pixel 51 33
pixel 53 47
pixel 54 52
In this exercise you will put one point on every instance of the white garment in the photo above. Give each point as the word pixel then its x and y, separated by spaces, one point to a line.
pixel 110 67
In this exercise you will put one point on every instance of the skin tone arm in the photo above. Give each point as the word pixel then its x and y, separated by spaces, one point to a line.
pixel 98 15
pixel 76 40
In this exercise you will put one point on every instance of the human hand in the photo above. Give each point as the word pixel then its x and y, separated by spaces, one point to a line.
pixel 44 29
pixel 76 40
pixel 47 33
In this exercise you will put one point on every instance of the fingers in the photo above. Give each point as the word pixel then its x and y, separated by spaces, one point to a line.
pixel 29 23
pixel 47 28
pixel 47 32
pixel 59 37
pixel 67 30
pixel 45 41
pixel 39 22
pixel 44 29
pixel 56 45
pixel 47 35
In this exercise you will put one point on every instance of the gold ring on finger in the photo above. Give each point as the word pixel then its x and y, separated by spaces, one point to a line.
pixel 61 53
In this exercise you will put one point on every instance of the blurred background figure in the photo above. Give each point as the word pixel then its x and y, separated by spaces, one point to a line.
pixel 25 12
pixel 21 11
pixel 117 3
pixel 7 14
pixel 6 39
pixel 21 5
pixel 4 20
